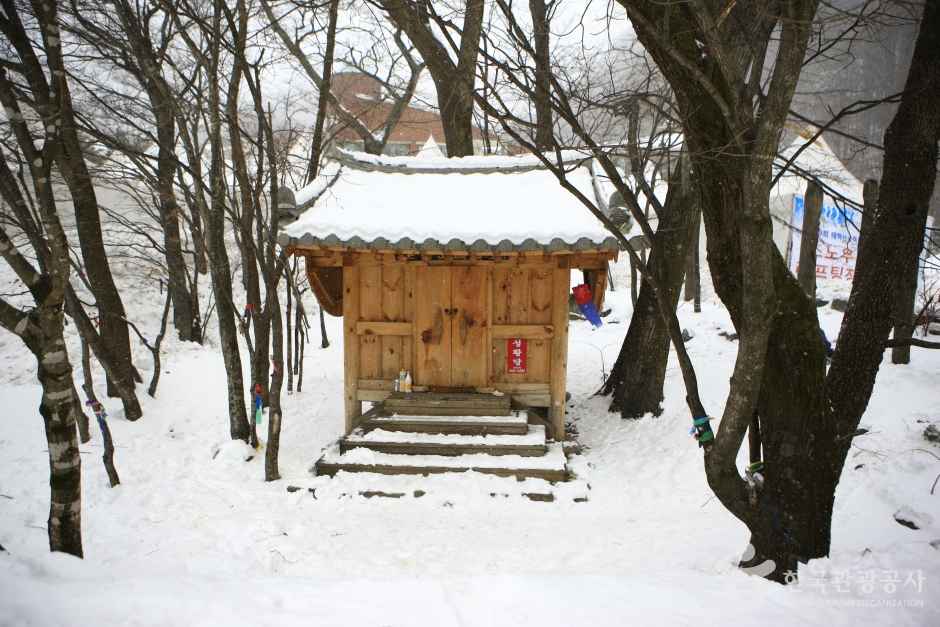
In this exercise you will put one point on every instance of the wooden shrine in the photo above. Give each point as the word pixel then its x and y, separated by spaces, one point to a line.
pixel 486 315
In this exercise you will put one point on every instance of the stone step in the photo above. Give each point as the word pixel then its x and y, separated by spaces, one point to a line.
pixel 446 488
pixel 550 466
pixel 446 404
pixel 510 424
pixel 532 444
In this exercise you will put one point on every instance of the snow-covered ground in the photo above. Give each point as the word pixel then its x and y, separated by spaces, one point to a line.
pixel 194 536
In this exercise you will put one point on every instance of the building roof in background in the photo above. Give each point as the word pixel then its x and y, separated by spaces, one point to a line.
pixel 816 161
pixel 363 96
pixel 480 204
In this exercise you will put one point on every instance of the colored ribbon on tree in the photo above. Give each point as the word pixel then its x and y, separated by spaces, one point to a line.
pixel 701 430
pixel 99 411
pixel 258 402
pixel 585 301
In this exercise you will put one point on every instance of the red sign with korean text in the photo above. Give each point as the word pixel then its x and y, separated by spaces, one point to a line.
pixel 516 355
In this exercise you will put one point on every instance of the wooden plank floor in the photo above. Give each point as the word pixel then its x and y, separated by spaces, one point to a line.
pixel 461 425
pixel 447 404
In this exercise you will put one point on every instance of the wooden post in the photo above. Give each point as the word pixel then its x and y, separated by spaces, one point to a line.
pixel 561 282
pixel 599 288
pixel 351 346
pixel 812 206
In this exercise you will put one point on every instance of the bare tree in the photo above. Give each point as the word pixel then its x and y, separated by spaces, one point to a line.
pixel 452 66
pixel 733 68
pixel 733 91
pixel 637 377
pixel 75 173
pixel 37 128
pixel 205 43
pixel 373 139
pixel 123 36
pixel 541 20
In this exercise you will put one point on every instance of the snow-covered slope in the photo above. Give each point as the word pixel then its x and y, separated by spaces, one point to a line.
pixel 194 536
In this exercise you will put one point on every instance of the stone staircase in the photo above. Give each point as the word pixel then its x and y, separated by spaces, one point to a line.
pixel 424 434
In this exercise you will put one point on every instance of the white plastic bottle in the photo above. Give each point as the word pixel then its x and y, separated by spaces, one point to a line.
pixel 408 382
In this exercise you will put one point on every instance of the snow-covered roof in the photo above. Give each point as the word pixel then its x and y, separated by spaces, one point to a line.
pixel 816 161
pixel 481 204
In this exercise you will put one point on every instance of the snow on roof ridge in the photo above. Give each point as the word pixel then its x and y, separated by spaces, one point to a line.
pixel 430 150
pixel 475 164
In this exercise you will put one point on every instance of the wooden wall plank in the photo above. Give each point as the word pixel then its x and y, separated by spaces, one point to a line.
pixel 372 396
pixel 432 326
pixel 408 315
pixel 519 388
pixel 488 333
pixel 385 329
pixel 351 352
pixel 528 331
pixel 519 296
pixel 468 326
pixel 370 309
pixel 523 301
pixel 393 299
pixel 519 306
pixel 500 291
pixel 539 312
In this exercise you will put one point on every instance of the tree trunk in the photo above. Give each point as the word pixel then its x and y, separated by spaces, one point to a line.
pixel 226 313
pixel 780 366
pixel 904 315
pixel 271 472
pixel 59 411
pixel 107 456
pixel 183 315
pixel 249 241
pixel 693 271
pixel 125 390
pixel 636 379
pixel 111 316
pixel 84 431
pixel 812 207
pixel 157 343
pixel 261 362
pixel 634 284
pixel 316 145
pixel 200 253
pixel 453 81
pixel 791 519
pixel 324 340
pixel 891 241
pixel 456 104
pixel 219 267
pixel 146 69
pixel 289 334
pixel 544 136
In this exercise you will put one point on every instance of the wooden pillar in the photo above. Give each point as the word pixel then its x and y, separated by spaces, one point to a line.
pixel 812 206
pixel 559 365
pixel 599 288
pixel 351 346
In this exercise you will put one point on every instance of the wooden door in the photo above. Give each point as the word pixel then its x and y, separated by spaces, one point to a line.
pixel 469 323
pixel 451 324
pixel 433 326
